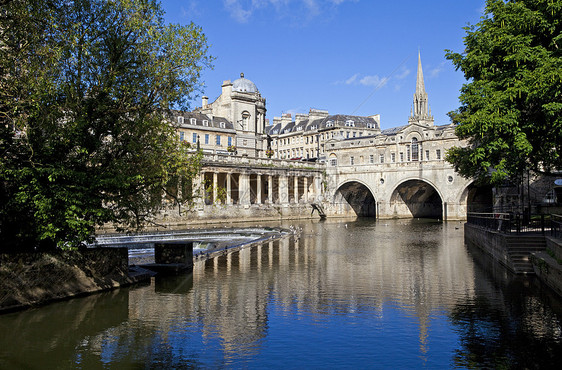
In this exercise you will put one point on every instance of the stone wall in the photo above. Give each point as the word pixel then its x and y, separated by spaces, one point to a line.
pixel 28 279
pixel 489 241
pixel 226 215
pixel 547 264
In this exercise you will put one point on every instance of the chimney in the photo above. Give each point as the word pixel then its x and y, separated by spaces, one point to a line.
pixel 204 101
pixel 300 117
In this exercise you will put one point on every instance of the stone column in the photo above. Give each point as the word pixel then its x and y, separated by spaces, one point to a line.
pixel 317 188
pixel 258 189
pixel 283 189
pixel 305 193
pixel 244 184
pixel 296 189
pixel 215 187
pixel 270 189
pixel 228 188
pixel 199 189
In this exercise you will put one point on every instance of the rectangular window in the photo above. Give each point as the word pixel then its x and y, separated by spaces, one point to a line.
pixel 351 160
pixel 438 154
pixel 194 138
pixel 401 156
pixel 427 155
pixel 218 140
pixel 393 157
pixel 182 136
pixel 206 138
pixel 408 153
pixel 371 159
pixel 381 158
pixel 230 141
pixel 333 162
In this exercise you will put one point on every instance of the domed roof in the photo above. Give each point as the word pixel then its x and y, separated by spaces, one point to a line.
pixel 244 85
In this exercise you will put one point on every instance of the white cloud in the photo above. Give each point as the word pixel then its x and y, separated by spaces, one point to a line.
pixel 374 81
pixel 237 11
pixel 191 9
pixel 357 79
pixel 434 72
pixel 242 10
pixel 403 74
pixel 352 79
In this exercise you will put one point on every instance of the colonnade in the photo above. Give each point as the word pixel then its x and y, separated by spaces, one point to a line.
pixel 246 188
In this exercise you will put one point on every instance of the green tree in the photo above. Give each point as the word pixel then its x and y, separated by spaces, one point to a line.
pixel 85 87
pixel 511 106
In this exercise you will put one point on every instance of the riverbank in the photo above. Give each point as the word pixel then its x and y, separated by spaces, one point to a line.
pixel 33 279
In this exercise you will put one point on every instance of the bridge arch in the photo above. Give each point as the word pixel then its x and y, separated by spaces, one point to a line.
pixel 416 198
pixel 357 196
pixel 477 198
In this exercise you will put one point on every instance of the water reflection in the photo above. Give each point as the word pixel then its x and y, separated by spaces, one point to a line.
pixel 363 293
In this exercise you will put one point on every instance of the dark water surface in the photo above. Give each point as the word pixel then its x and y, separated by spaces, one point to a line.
pixel 384 294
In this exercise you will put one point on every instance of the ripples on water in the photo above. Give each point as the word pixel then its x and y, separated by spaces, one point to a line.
pixel 386 294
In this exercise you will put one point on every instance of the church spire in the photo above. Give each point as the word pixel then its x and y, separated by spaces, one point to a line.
pixel 421 112
pixel 420 87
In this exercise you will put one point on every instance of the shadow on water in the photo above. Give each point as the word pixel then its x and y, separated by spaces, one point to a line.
pixel 512 321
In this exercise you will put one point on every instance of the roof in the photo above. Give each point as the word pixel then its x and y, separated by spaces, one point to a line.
pixel 191 119
pixel 244 85
pixel 394 130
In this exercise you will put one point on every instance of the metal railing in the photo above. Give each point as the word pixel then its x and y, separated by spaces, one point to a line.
pixel 514 222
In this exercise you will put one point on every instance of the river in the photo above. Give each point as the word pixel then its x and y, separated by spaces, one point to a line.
pixel 346 294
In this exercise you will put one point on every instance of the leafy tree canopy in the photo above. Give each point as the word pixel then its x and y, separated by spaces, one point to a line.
pixel 85 86
pixel 511 106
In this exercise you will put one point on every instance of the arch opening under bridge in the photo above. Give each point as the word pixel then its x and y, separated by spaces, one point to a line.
pixel 358 197
pixel 416 198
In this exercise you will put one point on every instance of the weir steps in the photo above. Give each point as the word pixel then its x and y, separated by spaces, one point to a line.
pixel 520 247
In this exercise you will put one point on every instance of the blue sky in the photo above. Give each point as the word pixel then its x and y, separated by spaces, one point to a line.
pixel 346 56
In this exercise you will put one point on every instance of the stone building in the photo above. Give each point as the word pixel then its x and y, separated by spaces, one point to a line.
pixel 233 123
pixel 212 134
pixel 418 141
pixel 305 136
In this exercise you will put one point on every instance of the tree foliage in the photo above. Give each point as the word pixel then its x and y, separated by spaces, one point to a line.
pixel 85 86
pixel 511 106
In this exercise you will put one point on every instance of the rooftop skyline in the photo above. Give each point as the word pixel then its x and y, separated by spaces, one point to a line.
pixel 353 57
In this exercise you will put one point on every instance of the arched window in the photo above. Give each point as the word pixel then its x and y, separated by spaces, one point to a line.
pixel 245 121
pixel 415 149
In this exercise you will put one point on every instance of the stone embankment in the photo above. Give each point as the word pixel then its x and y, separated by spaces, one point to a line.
pixel 548 264
pixel 29 279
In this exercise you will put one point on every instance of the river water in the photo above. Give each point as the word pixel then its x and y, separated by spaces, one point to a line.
pixel 346 294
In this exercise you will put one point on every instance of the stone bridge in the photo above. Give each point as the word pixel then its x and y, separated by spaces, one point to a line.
pixel 247 188
pixel 402 190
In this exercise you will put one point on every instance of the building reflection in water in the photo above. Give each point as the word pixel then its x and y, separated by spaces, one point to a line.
pixel 401 278
pixel 330 269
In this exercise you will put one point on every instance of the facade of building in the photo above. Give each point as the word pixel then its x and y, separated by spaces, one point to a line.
pixel 304 138
pixel 233 124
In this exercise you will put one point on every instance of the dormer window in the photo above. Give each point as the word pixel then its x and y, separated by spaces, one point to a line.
pixel 192 121
pixel 205 122
pixel 349 123
pixel 222 125
pixel 329 124
pixel 180 120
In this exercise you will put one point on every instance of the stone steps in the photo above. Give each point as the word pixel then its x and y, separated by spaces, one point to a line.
pixel 519 249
